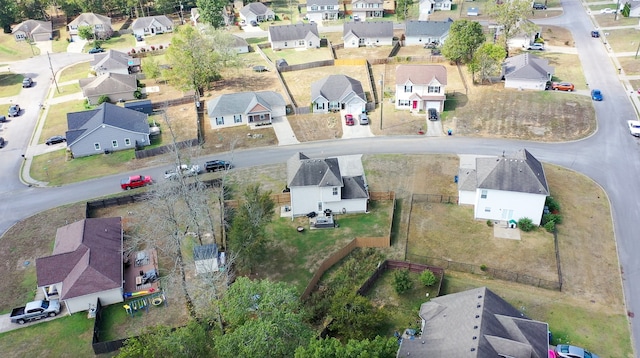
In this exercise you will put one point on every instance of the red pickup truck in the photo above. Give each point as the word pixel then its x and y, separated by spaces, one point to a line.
pixel 135 181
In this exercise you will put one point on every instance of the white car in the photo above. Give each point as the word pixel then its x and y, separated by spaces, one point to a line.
pixel 184 169
pixel 535 46
pixel 634 128
pixel 607 11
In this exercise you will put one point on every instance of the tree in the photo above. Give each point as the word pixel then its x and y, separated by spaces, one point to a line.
pixel 487 61
pixel 32 9
pixel 211 12
pixel 8 13
pixel 354 317
pixel 264 319
pixel 86 32
pixel 427 278
pixel 626 9
pixel 161 341
pixel 332 348
pixel 511 17
pixel 402 8
pixel 194 64
pixel 151 68
pixel 464 39
pixel 401 281
pixel 247 236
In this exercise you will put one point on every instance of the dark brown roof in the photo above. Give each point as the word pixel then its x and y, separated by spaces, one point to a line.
pixel 87 258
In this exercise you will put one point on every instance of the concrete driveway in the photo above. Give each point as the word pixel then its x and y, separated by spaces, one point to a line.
pixel 76 46
pixel 355 131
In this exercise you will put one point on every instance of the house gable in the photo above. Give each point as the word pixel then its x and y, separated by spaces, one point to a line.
pixel 79 124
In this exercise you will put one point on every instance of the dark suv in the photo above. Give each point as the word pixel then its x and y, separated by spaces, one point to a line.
pixel 539 6
pixel 433 114
pixel 215 165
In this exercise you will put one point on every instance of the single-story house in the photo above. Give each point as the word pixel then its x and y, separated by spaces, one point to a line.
pixel 320 10
pixel 151 25
pixel 256 11
pixel 377 33
pixel 34 30
pixel 429 6
pixel 526 71
pixel 337 184
pixel 113 85
pixel 114 61
pixel 86 264
pixel 239 44
pixel 107 128
pixel 294 36
pixel 420 87
pixel 427 32
pixel 206 258
pixel 338 92
pixel 101 25
pixel 363 9
pixel 505 188
pixel 475 323
pixel 245 108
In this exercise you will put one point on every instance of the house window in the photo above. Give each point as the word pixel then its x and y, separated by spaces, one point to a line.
pixel 114 143
pixel 219 121
pixel 285 44
pixel 319 206
pixel 433 89
pixel 335 191
pixel 237 118
pixel 408 89
pixel 262 116
pixel 487 210
pixel 314 7
pixel 404 102
pixel 483 194
pixel 96 146
pixel 127 142
pixel 311 45
pixel 301 43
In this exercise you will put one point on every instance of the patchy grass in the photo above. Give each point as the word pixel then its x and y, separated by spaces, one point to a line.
pixel 161 39
pixel 631 66
pixel 10 84
pixel 56 121
pixel 557 36
pixel 313 127
pixel 623 40
pixel 67 90
pixel 563 71
pixel 12 50
pixel 74 72
pixel 364 52
pixel 298 56
pixel 609 20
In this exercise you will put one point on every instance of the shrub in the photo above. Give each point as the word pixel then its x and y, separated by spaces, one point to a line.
pixel 552 204
pixel 526 224
pixel 557 218
pixel 142 49
pixel 401 281
pixel 427 278
pixel 137 94
pixel 153 48
pixel 102 99
pixel 489 223
pixel 133 50
pixel 550 226
pixel 160 47
pixel 483 267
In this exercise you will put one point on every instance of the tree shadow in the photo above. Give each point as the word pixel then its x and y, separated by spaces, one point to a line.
pixel 455 101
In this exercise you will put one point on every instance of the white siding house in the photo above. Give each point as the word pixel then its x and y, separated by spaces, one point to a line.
pixel 364 9
pixel 320 10
pixel 294 36
pixel 338 92
pixel 245 108
pixel 376 33
pixel 419 87
pixel 526 71
pixel 505 188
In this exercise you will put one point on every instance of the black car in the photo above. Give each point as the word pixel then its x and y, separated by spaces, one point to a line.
pixel 215 165
pixel 539 6
pixel 433 114
pixel 595 34
pixel 254 23
pixel 55 140
pixel 1 142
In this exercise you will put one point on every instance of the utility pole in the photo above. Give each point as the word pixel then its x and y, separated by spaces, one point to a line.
pixel 381 97
pixel 617 10
pixel 53 74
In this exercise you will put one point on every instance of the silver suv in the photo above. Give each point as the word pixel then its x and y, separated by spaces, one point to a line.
pixel 364 119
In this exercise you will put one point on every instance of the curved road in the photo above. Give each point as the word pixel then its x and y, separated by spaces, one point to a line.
pixel 611 156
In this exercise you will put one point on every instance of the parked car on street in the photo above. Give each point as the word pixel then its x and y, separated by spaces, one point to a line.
pixel 433 114
pixel 539 6
pixel 348 119
pixel 596 95
pixel 184 169
pixel 215 165
pixel 35 310
pixel 135 181
pixel 14 110
pixel 27 82
pixel 96 50
pixel 363 119
pixel 3 119
pixel 595 33
pixel 562 86
pixel 2 142
pixel 55 140
pixel 535 46
pixel 569 351
pixel 634 128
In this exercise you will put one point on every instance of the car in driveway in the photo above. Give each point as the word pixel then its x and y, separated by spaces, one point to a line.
pixel 135 181
pixel 55 140
pixel 562 86
pixel 2 143
pixel 27 82
pixel 348 119
pixel 596 95
pixel 14 110
pixel 254 23
pixel 433 114
pixel 539 6
pixel 363 119
pixel 569 351
pixel 215 165
pixel 535 46
pixel 634 128
pixel 96 50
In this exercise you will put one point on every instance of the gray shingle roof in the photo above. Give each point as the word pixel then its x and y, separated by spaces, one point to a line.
pixel 354 187
pixel 113 60
pixel 303 171
pixel 91 19
pixel 205 252
pixel 292 32
pixel 420 74
pixel 337 88
pixel 239 41
pixel 144 22
pixel 428 28
pixel 322 2
pixel 108 114
pixel 519 173
pixel 243 102
pixel 33 27
pixel 365 29
pixel 476 323
pixel 108 84
pixel 528 67
pixel 87 258
pixel 256 8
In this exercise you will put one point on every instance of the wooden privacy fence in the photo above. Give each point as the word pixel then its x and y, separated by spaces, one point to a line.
pixel 306 66
pixel 190 98
pixel 434 198
pixel 145 153
pixel 400 265
pixel 351 62
pixel 278 199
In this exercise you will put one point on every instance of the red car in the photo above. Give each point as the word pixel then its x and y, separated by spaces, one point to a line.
pixel 562 86
pixel 348 120
pixel 135 181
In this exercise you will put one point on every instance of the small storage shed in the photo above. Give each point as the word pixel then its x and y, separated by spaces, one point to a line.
pixel 143 106
pixel 206 258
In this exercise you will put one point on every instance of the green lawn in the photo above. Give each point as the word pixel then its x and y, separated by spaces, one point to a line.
pixel 161 39
pixel 294 56
pixel 10 84
pixel 623 40
pixel 67 90
pixel 74 72
pixel 56 121
pixel 12 50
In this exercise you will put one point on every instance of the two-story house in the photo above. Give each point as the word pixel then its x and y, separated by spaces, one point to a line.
pixel 363 9
pixel 429 6
pixel 420 87
pixel 100 24
pixel 320 10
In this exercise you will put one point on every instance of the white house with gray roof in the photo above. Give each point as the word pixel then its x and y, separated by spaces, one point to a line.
pixel 476 323
pixel 427 32
pixel 106 128
pixel 505 188
pixel 256 11
pixel 429 6
pixel 245 108
pixel 337 184
pixel 321 10
pixel 526 71
pixel 377 33
pixel 151 25
pixel 364 9
pixel 239 44
pixel 294 36
pixel 338 92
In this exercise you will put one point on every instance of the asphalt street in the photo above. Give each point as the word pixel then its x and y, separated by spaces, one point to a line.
pixel 610 156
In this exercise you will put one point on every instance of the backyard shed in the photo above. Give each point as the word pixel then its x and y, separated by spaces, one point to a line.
pixel 206 258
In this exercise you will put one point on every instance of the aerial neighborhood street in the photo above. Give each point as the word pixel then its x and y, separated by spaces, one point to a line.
pixel 343 90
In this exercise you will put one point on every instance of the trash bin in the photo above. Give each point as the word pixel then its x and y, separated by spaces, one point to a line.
pixel 449 132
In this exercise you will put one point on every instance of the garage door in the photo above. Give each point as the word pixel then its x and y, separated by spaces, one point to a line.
pixel 434 104
pixel 354 108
